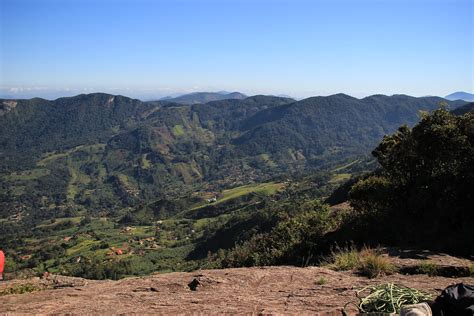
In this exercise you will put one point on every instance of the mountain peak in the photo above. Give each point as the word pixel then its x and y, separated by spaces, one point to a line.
pixel 460 95
pixel 342 95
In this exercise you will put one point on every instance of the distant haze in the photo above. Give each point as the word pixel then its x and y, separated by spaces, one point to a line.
pixel 152 49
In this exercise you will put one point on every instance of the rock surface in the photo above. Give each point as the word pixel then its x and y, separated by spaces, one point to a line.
pixel 268 290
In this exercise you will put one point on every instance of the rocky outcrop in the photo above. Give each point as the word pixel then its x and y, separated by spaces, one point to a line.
pixel 268 290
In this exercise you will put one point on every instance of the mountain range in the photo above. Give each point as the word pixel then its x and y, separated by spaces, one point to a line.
pixel 101 151
pixel 105 186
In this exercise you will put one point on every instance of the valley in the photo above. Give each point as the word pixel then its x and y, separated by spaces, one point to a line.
pixel 103 186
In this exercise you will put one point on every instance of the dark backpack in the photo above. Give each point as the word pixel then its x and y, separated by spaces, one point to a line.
pixel 455 300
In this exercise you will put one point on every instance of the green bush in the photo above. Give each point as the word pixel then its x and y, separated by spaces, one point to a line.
pixel 428 268
pixel 294 240
pixel 321 281
pixel 373 265
pixel 344 259
pixel 99 270
pixel 368 262
pixel 19 289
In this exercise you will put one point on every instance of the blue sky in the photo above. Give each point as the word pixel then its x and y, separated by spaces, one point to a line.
pixel 149 49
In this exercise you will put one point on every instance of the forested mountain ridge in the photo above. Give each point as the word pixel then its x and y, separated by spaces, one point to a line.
pixel 464 109
pixel 37 126
pixel 339 123
pixel 100 151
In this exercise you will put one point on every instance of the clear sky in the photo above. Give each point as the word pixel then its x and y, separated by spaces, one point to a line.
pixel 149 49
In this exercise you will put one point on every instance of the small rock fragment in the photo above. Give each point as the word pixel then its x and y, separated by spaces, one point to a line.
pixel 146 289
pixel 193 285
